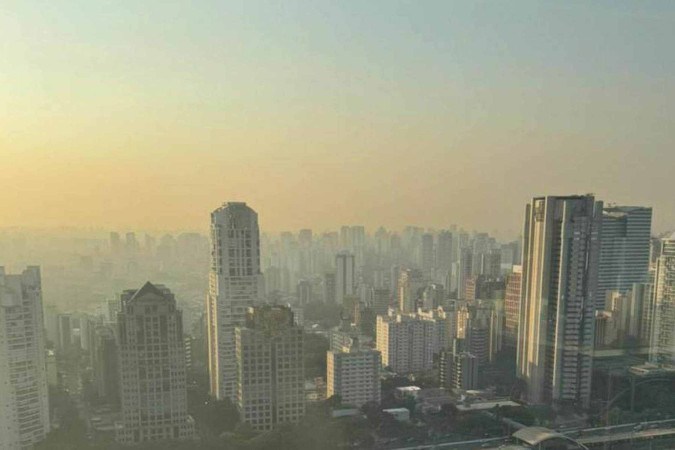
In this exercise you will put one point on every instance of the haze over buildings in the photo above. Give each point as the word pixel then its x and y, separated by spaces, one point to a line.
pixel 370 281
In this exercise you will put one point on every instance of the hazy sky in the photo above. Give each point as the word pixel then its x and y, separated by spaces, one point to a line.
pixel 128 114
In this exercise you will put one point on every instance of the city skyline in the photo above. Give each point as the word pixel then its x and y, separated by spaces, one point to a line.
pixel 455 340
pixel 500 233
pixel 301 225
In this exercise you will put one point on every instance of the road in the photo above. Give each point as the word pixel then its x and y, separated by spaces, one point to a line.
pixel 580 433
pixel 629 436
pixel 461 445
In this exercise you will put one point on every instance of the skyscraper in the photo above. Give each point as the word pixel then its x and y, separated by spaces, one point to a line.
pixel 234 284
pixel 624 249
pixel 410 286
pixel 444 255
pixel 329 288
pixel 643 295
pixel 561 251
pixel 65 332
pixel 427 254
pixel 512 306
pixel 344 276
pixel 464 271
pixel 491 263
pixel 304 292
pixel 106 365
pixel 345 237
pixel 478 335
pixel 24 410
pixel 270 368
pixel 358 234
pixel 381 301
pixel 153 382
pixel 481 245
pixel 663 337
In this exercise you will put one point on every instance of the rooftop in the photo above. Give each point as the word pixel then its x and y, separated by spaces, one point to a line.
pixel 482 406
pixel 395 410
pixel 148 288
pixel 536 435
pixel 408 388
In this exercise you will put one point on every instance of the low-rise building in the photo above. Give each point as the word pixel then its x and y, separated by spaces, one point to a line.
pixel 400 414
pixel 403 392
pixel 354 375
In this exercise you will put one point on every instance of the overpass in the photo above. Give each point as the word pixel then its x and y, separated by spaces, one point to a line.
pixel 627 437
pixel 588 437
pixel 624 433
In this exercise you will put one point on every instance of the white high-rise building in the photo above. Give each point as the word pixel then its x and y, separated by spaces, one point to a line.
pixel 153 380
pixel 407 342
pixel 561 251
pixel 354 375
pixel 624 250
pixel 663 336
pixel 344 276
pixel 234 286
pixel 24 409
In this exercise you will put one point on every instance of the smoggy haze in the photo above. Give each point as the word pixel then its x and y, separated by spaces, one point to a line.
pixel 149 116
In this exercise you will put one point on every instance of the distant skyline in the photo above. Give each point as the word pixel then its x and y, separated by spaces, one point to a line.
pixel 317 114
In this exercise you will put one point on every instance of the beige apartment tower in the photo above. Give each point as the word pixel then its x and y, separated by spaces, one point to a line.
pixel 353 374
pixel 270 385
pixel 153 383
pixel 234 286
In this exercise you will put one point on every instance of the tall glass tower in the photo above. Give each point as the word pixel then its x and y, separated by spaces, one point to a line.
pixel 561 251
